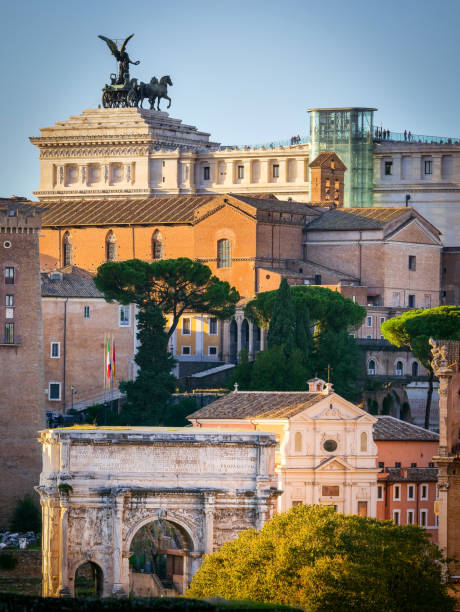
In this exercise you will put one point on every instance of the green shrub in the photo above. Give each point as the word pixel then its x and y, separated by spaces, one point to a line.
pixel 26 515
pixel 321 560
pixel 7 561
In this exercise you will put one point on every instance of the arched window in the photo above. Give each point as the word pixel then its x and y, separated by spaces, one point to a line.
pixel 111 247
pixel 414 368
pixel 399 368
pixel 67 249
pixel 157 245
pixel 224 253
pixel 371 367
pixel 363 442
pixel 298 442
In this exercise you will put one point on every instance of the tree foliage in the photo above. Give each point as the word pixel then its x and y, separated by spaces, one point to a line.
pixel 26 515
pixel 414 328
pixel 147 396
pixel 281 331
pixel 290 315
pixel 173 285
pixel 320 560
pixel 169 286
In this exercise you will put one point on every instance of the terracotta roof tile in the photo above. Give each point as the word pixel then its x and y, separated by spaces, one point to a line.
pixel 57 284
pixel 323 158
pixel 418 474
pixel 359 218
pixel 252 404
pixel 151 210
pixel 390 428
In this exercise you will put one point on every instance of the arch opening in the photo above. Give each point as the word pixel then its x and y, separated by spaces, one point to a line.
pixel 89 580
pixel 159 559
pixel 245 335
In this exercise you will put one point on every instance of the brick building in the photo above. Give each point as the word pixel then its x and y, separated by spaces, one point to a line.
pixel 77 322
pixel 21 352
pixel 407 482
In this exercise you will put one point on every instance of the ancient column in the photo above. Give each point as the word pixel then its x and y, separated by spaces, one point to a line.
pixel 251 341
pixel 64 590
pixel 117 543
pixel 209 511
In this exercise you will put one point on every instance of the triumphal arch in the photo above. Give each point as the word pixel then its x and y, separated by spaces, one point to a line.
pixel 140 506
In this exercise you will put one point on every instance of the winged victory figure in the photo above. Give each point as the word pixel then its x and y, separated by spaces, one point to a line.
pixel 122 58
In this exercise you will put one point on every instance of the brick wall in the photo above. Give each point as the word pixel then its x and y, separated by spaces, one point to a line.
pixel 21 365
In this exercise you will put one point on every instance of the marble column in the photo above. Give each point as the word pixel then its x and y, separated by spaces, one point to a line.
pixel 209 511
pixel 64 590
pixel 416 167
pixel 238 338
pixel 437 161
pixel 251 341
pixel 117 517
pixel 397 166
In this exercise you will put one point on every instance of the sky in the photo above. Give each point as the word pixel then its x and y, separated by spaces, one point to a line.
pixel 243 70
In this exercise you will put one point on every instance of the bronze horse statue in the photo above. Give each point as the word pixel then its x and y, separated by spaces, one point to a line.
pixel 155 90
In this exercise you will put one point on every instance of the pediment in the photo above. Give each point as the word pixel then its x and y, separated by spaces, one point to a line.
pixel 414 232
pixel 215 206
pixel 333 407
pixel 333 464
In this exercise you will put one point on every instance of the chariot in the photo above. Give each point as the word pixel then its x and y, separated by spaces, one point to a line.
pixel 119 95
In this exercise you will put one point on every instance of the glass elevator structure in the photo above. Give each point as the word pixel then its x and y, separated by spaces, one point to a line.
pixel 348 132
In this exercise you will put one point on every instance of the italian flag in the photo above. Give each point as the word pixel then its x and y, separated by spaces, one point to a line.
pixel 114 367
pixel 109 365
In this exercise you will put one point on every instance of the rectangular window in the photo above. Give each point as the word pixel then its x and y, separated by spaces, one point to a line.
pixel 410 517
pixel 388 168
pixel 86 312
pixel 9 276
pixel 396 492
pixel 424 491
pixel 369 337
pixel 381 465
pixel 54 391
pixel 382 320
pixel 412 262
pixel 206 174
pixel 240 172
pixel 423 518
pixel 410 492
pixel 55 350
pixel 330 491
pixel 275 170
pixel 428 166
pixel 186 350
pixel 124 316
pixel 9 333
pixel 369 321
pixel 411 301
pixel 186 328
pixel 397 464
pixel 212 350
pixel 213 326
pixel 380 492
pixel 9 300
pixel 436 520
pixel 413 465
pixel 396 514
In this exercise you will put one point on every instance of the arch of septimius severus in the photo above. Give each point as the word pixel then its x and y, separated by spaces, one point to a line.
pixel 102 487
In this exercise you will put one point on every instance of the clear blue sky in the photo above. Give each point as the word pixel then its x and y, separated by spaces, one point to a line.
pixel 244 70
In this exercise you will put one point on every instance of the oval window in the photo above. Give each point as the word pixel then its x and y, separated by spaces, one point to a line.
pixel 7 244
pixel 330 446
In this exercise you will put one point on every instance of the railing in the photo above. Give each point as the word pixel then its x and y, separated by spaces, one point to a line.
pixel 409 138
pixel 274 144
